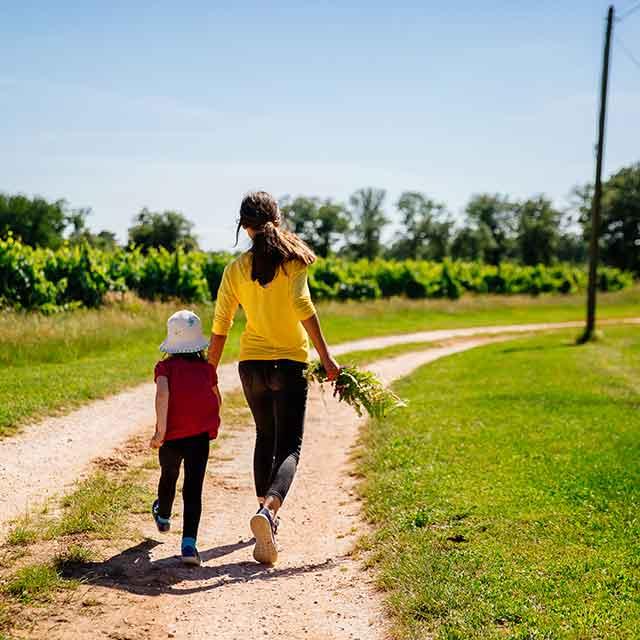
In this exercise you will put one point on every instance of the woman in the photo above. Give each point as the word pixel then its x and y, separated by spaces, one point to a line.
pixel 270 282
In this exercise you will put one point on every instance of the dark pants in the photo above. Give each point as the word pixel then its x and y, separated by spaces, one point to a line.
pixel 195 453
pixel 276 391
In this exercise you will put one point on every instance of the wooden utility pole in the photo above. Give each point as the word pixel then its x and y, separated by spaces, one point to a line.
pixel 596 205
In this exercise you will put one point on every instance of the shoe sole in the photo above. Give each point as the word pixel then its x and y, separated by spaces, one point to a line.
pixel 265 551
pixel 193 561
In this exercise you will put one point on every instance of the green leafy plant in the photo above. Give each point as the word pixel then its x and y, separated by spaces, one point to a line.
pixel 80 275
pixel 359 388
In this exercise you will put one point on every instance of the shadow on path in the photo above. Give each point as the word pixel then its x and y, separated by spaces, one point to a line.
pixel 134 571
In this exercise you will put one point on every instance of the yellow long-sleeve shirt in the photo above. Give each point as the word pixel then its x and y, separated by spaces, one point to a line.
pixel 274 312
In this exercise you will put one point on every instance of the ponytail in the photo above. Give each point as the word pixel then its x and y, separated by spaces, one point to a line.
pixel 272 246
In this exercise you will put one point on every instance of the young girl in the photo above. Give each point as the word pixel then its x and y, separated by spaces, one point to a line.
pixel 187 417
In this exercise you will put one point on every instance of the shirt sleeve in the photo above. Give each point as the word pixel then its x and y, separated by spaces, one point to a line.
pixel 162 369
pixel 226 305
pixel 300 295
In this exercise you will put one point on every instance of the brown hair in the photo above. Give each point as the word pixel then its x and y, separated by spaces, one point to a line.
pixel 272 246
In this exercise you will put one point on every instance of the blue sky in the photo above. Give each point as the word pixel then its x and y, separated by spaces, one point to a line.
pixel 189 105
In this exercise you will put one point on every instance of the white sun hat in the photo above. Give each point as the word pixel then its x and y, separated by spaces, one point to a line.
pixel 184 334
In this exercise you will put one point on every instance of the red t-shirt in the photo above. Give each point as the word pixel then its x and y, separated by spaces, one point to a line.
pixel 193 406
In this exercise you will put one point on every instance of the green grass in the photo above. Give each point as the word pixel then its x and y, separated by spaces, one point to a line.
pixel 22 532
pixel 54 363
pixel 100 504
pixel 36 583
pixel 74 554
pixel 98 508
pixel 505 497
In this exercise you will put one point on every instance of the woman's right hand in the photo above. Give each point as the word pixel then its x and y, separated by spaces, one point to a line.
pixel 331 367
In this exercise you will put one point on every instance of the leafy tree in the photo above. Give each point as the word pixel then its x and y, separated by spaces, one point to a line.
pixel 581 197
pixel 573 242
pixel 572 247
pixel 620 239
pixel 169 229
pixel 369 220
pixel 78 221
pixel 492 215
pixel 319 223
pixel 332 223
pixel 35 221
pixel 538 226
pixel 470 243
pixel 105 240
pixel 620 223
pixel 427 229
pixel 299 215
pixel 80 233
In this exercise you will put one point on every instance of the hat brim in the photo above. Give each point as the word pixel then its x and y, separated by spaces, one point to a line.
pixel 194 347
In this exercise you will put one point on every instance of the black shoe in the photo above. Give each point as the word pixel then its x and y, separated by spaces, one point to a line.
pixel 163 524
pixel 190 556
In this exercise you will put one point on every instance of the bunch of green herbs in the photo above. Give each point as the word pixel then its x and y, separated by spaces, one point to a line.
pixel 359 388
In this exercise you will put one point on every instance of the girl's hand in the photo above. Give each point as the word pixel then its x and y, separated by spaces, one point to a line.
pixel 216 392
pixel 157 440
pixel 331 367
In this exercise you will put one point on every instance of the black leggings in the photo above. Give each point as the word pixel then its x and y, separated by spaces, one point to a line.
pixel 195 453
pixel 276 391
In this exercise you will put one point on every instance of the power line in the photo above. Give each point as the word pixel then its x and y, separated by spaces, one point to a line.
pixel 625 14
pixel 628 52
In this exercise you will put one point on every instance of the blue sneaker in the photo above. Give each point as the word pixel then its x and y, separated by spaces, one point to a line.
pixel 264 531
pixel 190 555
pixel 163 524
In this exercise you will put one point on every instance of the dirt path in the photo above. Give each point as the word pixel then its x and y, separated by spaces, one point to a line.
pixel 317 591
pixel 46 458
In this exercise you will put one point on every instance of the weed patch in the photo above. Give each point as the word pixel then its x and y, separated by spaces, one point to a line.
pixel 23 532
pixel 36 583
pixel 100 504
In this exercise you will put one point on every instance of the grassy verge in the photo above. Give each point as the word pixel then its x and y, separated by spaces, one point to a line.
pixel 505 496
pixel 52 364
pixel 40 546
pixel 95 508
pixel 35 583
pixel 104 509
pixel 43 543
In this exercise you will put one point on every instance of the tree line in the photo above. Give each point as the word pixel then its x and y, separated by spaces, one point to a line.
pixel 495 228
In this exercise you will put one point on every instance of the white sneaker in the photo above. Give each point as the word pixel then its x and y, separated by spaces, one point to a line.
pixel 264 529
